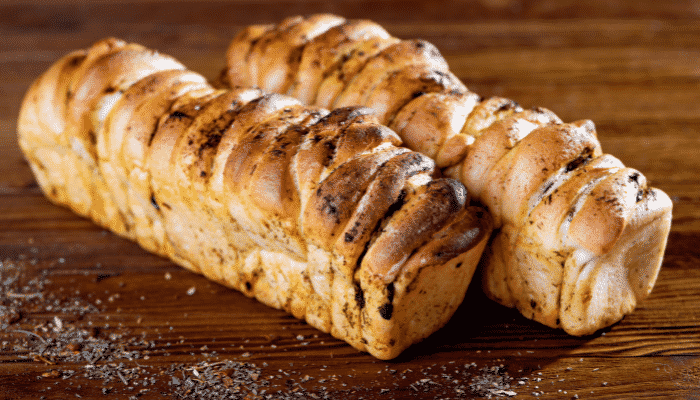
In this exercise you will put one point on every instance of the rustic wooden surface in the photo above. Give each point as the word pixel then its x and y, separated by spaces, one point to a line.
pixel 631 66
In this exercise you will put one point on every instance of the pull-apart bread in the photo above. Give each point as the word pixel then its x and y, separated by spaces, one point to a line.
pixel 319 213
pixel 579 237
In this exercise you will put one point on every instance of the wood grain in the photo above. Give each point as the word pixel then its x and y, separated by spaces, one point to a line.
pixel 631 66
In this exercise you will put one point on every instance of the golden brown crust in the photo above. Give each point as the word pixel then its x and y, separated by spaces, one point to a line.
pixel 394 58
pixel 400 87
pixel 422 214
pixel 257 191
pixel 335 199
pixel 275 74
pixel 603 216
pixel 432 124
pixel 343 72
pixel 327 50
pixel 238 53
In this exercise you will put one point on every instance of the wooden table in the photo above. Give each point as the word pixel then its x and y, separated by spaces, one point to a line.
pixel 631 66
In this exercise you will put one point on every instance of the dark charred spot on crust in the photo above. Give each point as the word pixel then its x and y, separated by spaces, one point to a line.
pixel 558 322
pixel 75 61
pixel 212 141
pixel 640 196
pixel 386 310
pixel 110 89
pixel 350 236
pixel 586 298
pixel 364 251
pixel 296 128
pixel 651 193
pixel 178 115
pixel 390 291
pixel 253 42
pixel 396 206
pixel 582 159
pixel 295 55
pixel 448 192
pixel 459 264
pixel 634 178
pixel 570 215
pixel 330 205
pixel 330 155
pixel 417 94
pixel 420 44
pixel 154 202
pixel 508 105
pixel 549 186
pixel 277 152
pixel 92 136
pixel 359 296
pixel 315 114
pixel 248 286
pixel 202 174
pixel 533 303
pixel 548 200
pixel 330 146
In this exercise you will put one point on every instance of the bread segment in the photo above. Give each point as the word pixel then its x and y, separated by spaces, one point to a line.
pixel 318 213
pixel 564 213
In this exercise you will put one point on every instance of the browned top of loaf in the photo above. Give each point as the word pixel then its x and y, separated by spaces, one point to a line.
pixel 334 180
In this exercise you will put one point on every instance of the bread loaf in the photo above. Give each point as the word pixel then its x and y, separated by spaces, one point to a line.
pixel 580 238
pixel 319 213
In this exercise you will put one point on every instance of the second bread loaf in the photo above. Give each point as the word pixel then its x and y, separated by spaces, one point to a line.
pixel 579 237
